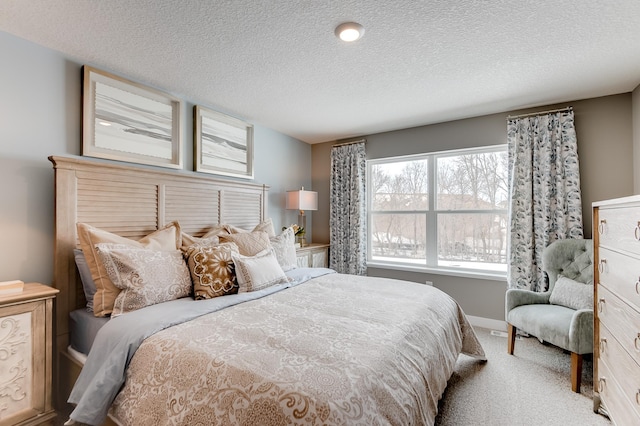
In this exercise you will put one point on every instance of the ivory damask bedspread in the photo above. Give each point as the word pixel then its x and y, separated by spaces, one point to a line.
pixel 338 349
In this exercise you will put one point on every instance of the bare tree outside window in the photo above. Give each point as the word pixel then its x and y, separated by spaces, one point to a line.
pixel 470 198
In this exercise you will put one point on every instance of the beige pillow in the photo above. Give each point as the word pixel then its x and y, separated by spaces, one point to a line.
pixel 258 272
pixel 235 230
pixel 249 243
pixel 166 239
pixel 285 250
pixel 212 269
pixel 266 226
pixel 146 277
pixel 210 236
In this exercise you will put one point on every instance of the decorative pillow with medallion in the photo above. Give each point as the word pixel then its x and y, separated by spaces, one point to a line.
pixel 212 269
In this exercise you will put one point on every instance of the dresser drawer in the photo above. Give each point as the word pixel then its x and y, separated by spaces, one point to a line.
pixel 613 398
pixel 620 274
pixel 620 319
pixel 624 368
pixel 619 228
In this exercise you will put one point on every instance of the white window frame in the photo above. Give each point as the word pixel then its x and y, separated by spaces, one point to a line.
pixel 431 264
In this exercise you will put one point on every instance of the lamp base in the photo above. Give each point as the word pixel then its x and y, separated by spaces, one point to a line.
pixel 302 221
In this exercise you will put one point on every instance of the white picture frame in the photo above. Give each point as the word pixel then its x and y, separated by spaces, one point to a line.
pixel 223 145
pixel 126 121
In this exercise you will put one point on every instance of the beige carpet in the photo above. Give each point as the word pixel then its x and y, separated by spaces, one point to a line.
pixel 532 387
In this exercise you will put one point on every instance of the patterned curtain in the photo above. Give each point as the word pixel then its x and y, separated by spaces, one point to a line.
pixel 544 183
pixel 348 209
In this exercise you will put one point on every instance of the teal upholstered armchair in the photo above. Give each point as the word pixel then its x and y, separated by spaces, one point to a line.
pixel 562 315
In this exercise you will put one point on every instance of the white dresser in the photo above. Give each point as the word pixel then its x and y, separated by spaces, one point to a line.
pixel 313 256
pixel 616 236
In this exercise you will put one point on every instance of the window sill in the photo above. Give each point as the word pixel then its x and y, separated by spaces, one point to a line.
pixel 495 276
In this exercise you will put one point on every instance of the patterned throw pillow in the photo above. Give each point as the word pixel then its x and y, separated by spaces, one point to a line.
pixel 572 294
pixel 258 272
pixel 145 277
pixel 285 250
pixel 249 243
pixel 212 269
pixel 166 239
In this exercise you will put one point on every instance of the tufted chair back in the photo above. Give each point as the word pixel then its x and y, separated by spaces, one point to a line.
pixel 571 258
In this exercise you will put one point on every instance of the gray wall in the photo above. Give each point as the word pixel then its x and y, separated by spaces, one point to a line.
pixel 605 148
pixel 40 115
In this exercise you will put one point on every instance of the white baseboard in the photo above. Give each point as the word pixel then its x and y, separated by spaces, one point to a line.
pixel 489 323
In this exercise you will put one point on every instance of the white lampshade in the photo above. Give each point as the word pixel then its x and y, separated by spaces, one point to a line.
pixel 302 200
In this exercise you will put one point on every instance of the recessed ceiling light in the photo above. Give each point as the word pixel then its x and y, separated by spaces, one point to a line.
pixel 349 31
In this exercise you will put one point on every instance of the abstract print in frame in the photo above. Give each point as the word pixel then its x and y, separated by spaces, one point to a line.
pixel 126 121
pixel 223 145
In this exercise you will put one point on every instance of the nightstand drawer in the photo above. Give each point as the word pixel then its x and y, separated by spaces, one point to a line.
pixel 313 256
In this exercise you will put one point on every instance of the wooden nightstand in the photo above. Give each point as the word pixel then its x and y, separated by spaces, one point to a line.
pixel 26 350
pixel 313 256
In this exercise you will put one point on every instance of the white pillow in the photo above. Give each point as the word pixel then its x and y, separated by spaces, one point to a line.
pixel 285 249
pixel 258 272
pixel 572 294
pixel 145 277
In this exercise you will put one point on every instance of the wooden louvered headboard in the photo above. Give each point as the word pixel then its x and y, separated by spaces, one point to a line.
pixel 132 202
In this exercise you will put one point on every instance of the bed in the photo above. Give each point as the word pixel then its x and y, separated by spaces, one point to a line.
pixel 315 348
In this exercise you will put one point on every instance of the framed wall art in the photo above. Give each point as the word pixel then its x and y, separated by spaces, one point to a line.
pixel 223 145
pixel 126 121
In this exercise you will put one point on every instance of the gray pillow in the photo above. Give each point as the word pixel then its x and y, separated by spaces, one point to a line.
pixel 572 294
pixel 88 285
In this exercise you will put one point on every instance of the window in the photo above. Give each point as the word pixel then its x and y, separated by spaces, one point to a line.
pixel 444 210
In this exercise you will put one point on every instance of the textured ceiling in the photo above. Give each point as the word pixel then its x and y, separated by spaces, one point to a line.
pixel 277 63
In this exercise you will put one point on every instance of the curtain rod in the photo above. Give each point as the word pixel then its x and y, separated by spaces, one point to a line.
pixel 511 117
pixel 349 143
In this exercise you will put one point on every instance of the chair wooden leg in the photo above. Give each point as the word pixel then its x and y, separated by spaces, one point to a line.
pixel 511 338
pixel 576 371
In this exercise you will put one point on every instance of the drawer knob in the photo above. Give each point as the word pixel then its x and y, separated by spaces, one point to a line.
pixel 637 284
pixel 601 303
pixel 601 383
pixel 601 225
pixel 602 265
pixel 638 397
pixel 603 345
pixel 636 232
pixel 636 342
